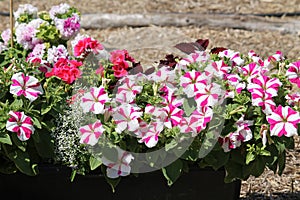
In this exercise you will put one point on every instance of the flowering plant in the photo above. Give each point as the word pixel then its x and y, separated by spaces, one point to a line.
pixel 67 100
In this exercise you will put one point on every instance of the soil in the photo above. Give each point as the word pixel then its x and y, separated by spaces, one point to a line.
pixel 150 44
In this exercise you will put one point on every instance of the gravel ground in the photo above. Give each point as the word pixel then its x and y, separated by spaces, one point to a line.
pixel 149 44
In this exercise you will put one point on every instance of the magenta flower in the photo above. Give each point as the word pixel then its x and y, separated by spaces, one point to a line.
pixel 28 86
pixel 91 133
pixel 252 70
pixel 218 68
pixel 283 121
pixel 127 91
pixel 266 84
pixel 94 100
pixel 208 96
pixel 264 100
pixel 293 73
pixel 173 116
pixel 191 81
pixel 150 138
pixel 20 124
pixel 120 166
pixel 126 117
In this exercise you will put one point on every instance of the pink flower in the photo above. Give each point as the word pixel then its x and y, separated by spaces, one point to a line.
pixel 266 84
pixel 197 121
pixel 191 81
pixel 173 116
pixel 25 85
pixel 66 69
pixel 233 56
pixel 20 124
pixel 264 100
pixel 150 138
pixel 68 27
pixel 127 91
pixel 91 133
pixel 120 165
pixel 85 46
pixel 283 121
pixel 126 117
pixel 293 73
pixel 252 70
pixel 94 100
pixel 293 99
pixel 208 96
pixel 218 68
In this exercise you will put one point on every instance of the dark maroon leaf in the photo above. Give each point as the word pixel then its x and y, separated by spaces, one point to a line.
pixel 169 61
pixel 203 42
pixel 191 47
pixel 217 50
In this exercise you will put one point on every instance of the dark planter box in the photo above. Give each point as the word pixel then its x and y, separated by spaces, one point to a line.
pixel 54 183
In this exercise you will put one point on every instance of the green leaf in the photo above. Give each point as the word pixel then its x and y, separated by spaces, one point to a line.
pixel 94 162
pixel 249 157
pixel 5 139
pixel 45 109
pixel 36 122
pixel 43 143
pixel 189 105
pixel 173 171
pixel 281 163
pixel 22 162
pixel 21 145
pixel 16 104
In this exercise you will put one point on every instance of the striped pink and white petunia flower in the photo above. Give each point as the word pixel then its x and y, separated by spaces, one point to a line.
pixel 94 101
pixel 127 91
pixel 191 81
pixel 28 86
pixel 293 73
pixel 120 166
pixel 218 69
pixel 150 138
pixel 126 117
pixel 252 70
pixel 232 55
pixel 20 124
pixel 208 96
pixel 264 100
pixel 173 115
pixel 265 83
pixel 283 121
pixel 91 133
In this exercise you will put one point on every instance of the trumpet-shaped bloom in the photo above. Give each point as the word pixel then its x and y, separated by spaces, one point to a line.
pixel 91 133
pixel 293 73
pixel 150 138
pixel 128 91
pixel 20 124
pixel 283 121
pixel 251 70
pixel 191 81
pixel 120 166
pixel 126 117
pixel 173 116
pixel 218 68
pixel 208 96
pixel 28 86
pixel 266 84
pixel 259 98
pixel 94 100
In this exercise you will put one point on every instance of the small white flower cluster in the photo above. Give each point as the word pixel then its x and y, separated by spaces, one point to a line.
pixel 67 146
